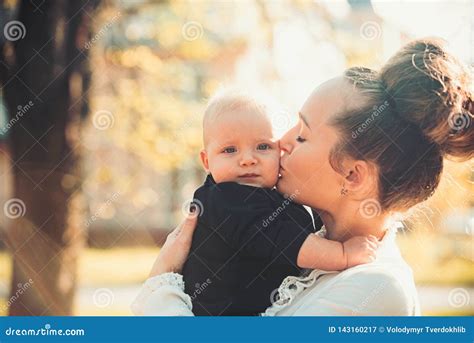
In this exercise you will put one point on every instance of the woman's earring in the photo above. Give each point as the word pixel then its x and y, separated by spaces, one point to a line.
pixel 344 191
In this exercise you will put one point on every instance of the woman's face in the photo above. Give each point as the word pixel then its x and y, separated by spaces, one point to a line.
pixel 304 167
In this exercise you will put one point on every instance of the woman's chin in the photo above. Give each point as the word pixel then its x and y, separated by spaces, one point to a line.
pixel 282 187
pixel 289 191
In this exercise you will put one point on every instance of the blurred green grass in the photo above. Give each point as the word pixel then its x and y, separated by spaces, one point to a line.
pixel 437 260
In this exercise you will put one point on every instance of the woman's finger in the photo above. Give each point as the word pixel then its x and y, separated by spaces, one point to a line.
pixel 189 223
pixel 174 233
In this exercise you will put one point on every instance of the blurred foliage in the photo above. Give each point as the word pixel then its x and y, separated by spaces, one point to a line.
pixel 156 63
pixel 153 70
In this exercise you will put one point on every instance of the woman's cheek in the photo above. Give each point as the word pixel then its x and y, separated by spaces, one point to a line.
pixel 301 164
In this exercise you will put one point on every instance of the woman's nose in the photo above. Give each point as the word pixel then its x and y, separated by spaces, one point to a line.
pixel 286 143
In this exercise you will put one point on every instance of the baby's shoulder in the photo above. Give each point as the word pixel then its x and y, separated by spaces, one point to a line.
pixel 234 193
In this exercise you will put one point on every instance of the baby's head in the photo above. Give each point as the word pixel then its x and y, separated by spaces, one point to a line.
pixel 238 141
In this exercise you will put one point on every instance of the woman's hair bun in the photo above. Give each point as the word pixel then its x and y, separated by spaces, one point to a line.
pixel 433 90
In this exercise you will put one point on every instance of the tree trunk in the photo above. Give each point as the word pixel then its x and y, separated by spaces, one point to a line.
pixel 47 74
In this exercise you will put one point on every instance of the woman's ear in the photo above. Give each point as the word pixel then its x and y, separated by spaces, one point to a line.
pixel 358 175
pixel 204 160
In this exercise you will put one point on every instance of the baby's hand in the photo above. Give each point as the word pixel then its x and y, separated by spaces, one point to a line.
pixel 360 249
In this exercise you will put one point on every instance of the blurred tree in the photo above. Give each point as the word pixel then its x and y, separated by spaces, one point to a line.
pixel 44 74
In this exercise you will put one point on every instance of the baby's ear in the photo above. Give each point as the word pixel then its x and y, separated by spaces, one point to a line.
pixel 204 160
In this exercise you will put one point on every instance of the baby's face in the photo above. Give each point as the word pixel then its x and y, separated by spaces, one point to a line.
pixel 241 148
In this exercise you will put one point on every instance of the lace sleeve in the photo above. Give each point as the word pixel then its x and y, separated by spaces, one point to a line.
pixel 163 295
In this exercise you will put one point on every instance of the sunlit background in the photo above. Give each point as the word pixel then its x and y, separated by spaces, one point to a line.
pixel 154 64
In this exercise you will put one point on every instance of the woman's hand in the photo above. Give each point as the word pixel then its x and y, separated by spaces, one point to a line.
pixel 175 251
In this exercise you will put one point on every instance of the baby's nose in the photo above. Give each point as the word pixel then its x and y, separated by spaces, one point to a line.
pixel 248 160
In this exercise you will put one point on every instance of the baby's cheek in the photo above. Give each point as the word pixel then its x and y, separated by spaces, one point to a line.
pixel 220 170
pixel 273 166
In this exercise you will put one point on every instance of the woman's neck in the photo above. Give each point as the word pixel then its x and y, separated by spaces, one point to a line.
pixel 348 223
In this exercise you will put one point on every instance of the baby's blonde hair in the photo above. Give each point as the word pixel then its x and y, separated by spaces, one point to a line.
pixel 228 100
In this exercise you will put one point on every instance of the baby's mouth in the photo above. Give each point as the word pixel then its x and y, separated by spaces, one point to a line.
pixel 249 175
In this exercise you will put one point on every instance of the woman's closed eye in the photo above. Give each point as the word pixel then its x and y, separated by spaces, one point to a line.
pixel 300 139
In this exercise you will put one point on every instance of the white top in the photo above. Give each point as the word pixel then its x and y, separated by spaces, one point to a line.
pixel 384 287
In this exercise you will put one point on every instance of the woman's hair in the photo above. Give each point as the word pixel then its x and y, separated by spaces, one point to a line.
pixel 416 110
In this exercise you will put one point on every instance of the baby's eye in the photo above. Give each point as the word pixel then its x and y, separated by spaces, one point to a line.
pixel 300 139
pixel 264 146
pixel 229 150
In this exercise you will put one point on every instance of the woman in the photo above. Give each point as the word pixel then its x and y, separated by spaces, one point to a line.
pixel 367 144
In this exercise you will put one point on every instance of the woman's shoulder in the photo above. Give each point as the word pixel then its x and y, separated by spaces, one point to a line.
pixel 387 285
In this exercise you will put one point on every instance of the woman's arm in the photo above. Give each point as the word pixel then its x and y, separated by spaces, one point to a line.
pixel 163 293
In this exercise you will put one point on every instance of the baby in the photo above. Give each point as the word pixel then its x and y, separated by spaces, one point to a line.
pixel 249 237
